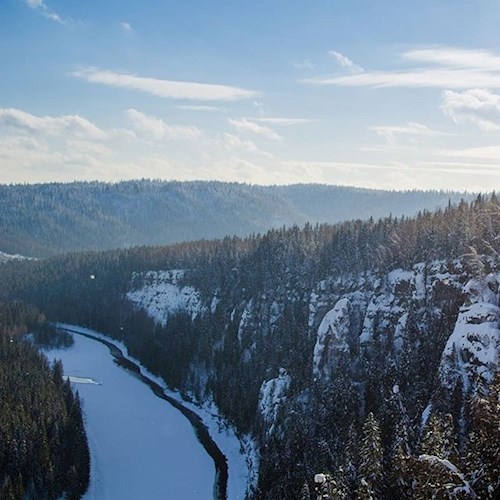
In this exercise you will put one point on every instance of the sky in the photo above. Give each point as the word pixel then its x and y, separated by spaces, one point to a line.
pixel 380 94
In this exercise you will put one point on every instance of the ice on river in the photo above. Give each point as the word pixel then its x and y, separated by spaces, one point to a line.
pixel 141 447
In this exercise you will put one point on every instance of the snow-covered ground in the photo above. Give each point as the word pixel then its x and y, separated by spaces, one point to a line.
pixel 141 447
pixel 240 451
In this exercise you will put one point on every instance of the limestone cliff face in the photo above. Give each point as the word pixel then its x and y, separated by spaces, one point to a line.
pixel 351 317
pixel 471 353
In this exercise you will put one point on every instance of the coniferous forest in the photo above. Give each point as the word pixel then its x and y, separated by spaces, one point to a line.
pixel 43 443
pixel 365 350
pixel 46 219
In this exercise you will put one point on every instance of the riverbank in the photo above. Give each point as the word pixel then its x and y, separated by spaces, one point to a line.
pixel 140 446
pixel 239 451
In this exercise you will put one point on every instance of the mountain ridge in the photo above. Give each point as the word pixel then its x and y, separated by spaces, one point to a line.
pixel 41 220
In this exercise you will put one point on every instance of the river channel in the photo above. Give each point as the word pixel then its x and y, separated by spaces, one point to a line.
pixel 143 443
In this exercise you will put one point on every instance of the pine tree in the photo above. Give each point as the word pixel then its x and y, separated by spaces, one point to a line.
pixel 399 472
pixel 371 456
pixel 483 449
pixel 305 493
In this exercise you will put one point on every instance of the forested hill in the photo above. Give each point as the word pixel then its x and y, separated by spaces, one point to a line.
pixel 46 219
pixel 366 350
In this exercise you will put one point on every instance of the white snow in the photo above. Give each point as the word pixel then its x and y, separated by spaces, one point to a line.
pixel 6 257
pixel 241 451
pixel 465 487
pixel 80 380
pixel 331 339
pixel 272 394
pixel 399 333
pixel 245 319
pixel 141 447
pixel 398 276
pixel 473 348
pixel 425 415
pixel 162 295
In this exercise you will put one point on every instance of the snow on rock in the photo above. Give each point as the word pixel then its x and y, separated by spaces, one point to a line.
pixel 399 280
pixel 246 316
pixel 332 337
pixel 399 334
pixel 215 302
pixel 383 313
pixel 162 295
pixel 7 257
pixel 272 393
pixel 471 353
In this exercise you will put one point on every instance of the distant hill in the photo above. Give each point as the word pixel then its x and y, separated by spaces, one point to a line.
pixel 46 219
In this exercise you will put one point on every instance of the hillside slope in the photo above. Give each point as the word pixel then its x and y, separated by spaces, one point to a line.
pixel 367 350
pixel 47 219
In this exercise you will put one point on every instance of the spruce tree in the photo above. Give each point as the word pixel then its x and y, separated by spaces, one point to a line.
pixel 371 456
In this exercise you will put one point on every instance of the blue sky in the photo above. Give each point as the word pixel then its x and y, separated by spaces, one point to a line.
pixel 381 94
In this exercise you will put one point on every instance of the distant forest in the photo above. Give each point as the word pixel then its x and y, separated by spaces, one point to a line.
pixel 48 219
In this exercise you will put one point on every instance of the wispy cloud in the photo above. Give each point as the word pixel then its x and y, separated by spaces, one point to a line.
pixel 482 153
pixel 194 107
pixel 283 121
pixel 411 129
pixel 305 64
pixel 443 67
pixel 155 128
pixel 165 88
pixel 245 125
pixel 345 62
pixel 233 142
pixel 66 125
pixel 477 106
pixel 44 10
pixel 455 57
pixel 127 27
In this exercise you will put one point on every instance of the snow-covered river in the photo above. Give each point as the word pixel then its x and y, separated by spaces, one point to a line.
pixel 141 447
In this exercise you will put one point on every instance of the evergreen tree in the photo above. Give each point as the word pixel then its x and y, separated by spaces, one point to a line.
pixel 483 448
pixel 371 456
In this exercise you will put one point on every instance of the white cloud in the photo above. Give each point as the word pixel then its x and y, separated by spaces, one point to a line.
pixel 155 128
pixel 194 107
pixel 477 106
pixel 259 106
pixel 127 27
pixel 411 129
pixel 283 121
pixel 69 125
pixel 45 11
pixel 443 68
pixel 245 125
pixel 233 142
pixel 304 64
pixel 482 153
pixel 165 88
pixel 455 58
pixel 345 62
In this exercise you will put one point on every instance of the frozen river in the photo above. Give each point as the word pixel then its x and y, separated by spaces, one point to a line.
pixel 141 446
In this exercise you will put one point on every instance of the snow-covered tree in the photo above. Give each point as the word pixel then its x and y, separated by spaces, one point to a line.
pixel 371 454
